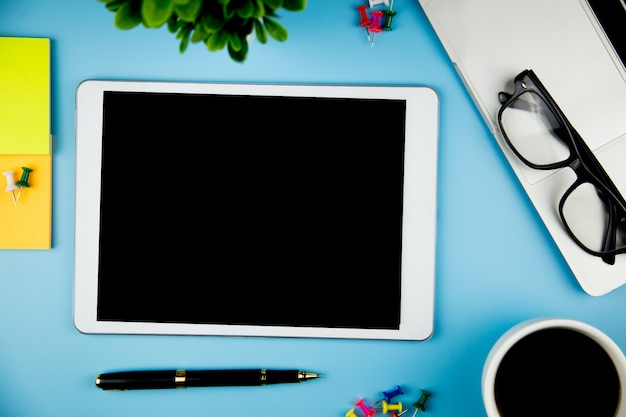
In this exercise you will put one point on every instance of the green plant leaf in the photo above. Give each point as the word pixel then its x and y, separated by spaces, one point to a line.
pixel 241 54
pixel 156 12
pixel 185 30
pixel 259 9
pixel 294 5
pixel 246 9
pixel 274 4
pixel 200 33
pixel 217 23
pixel 213 17
pixel 190 11
pixel 184 42
pixel 241 8
pixel 275 29
pixel 127 17
pixel 173 24
pixel 259 29
pixel 227 10
pixel 234 41
pixel 113 5
pixel 217 40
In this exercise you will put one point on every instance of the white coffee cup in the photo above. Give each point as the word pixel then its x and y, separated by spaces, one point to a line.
pixel 542 378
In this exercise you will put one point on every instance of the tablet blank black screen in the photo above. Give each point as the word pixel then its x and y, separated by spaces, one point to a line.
pixel 251 210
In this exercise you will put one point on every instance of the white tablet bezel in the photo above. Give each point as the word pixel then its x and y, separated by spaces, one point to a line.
pixel 419 218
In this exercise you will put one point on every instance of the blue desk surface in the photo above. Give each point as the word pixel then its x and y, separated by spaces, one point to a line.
pixel 496 265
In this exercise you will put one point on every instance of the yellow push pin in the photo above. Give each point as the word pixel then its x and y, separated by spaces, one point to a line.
pixel 23 182
pixel 351 413
pixel 387 407
pixel 11 186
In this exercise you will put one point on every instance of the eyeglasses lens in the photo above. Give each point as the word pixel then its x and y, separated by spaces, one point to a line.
pixel 586 211
pixel 534 131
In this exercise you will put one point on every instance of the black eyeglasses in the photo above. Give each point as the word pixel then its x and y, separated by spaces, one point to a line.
pixel 592 209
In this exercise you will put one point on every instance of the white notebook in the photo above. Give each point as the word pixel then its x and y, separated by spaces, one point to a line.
pixel 578 60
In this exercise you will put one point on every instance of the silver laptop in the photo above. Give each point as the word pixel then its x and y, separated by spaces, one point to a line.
pixel 579 59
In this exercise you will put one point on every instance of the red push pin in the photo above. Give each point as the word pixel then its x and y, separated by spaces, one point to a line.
pixel 365 20
pixel 375 26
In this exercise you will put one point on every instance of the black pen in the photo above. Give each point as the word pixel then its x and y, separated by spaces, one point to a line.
pixel 181 378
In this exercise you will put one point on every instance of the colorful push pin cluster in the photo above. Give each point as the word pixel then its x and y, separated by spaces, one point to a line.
pixel 378 21
pixel 19 185
pixel 386 406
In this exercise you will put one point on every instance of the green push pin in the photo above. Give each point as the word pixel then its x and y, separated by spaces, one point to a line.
pixel 419 405
pixel 389 14
pixel 388 17
pixel 23 182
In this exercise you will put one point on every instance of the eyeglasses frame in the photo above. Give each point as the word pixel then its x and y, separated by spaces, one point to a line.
pixel 581 160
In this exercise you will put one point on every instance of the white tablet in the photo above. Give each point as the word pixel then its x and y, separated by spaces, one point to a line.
pixel 255 209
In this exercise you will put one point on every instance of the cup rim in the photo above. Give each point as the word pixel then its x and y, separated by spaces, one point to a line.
pixel 524 328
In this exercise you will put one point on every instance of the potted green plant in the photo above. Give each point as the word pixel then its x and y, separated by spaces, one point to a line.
pixel 218 24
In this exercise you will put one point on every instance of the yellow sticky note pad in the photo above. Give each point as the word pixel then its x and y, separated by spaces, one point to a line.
pixel 24 95
pixel 27 224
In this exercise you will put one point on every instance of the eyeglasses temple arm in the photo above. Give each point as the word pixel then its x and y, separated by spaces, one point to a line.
pixel 610 233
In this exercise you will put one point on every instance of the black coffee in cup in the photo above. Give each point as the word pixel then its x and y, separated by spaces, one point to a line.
pixel 557 372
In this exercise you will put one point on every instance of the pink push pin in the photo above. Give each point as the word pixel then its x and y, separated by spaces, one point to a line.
pixel 366 410
pixel 375 26
pixel 365 20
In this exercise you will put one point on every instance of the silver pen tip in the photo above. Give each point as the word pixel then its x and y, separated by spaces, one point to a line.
pixel 305 376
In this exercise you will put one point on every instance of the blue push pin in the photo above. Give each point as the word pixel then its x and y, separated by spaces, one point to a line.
pixel 389 395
